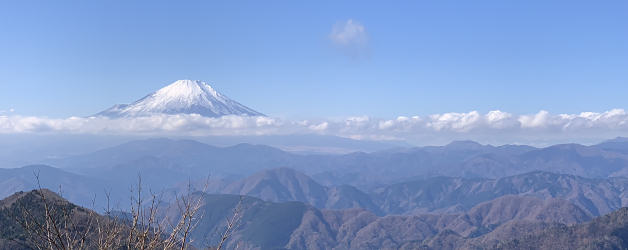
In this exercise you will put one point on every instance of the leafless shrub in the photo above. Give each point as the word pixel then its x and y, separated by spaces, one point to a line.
pixel 64 226
pixel 233 223
pixel 188 207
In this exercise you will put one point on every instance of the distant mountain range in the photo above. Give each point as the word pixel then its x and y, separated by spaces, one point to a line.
pixel 460 169
pixel 182 97
pixel 185 158
pixel 18 150
pixel 463 195
pixel 83 190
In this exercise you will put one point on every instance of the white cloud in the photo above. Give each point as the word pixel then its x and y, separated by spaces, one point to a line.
pixel 348 32
pixel 350 36
pixel 357 121
pixel 320 127
pixel 499 120
pixel 495 126
pixel 540 119
pixel 459 122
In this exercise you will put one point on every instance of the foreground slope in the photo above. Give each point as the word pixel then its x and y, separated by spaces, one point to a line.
pixel 29 207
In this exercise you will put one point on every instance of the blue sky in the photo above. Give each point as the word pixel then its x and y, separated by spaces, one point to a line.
pixel 64 58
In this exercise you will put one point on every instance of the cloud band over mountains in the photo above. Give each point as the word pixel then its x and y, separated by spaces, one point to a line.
pixel 503 127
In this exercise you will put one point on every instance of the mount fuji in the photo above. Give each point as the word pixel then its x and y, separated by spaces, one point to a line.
pixel 182 97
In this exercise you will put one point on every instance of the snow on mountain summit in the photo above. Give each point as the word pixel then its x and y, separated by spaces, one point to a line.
pixel 182 97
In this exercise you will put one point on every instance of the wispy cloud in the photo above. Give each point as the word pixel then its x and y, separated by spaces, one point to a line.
pixel 350 36
pixel 493 127
pixel 3 112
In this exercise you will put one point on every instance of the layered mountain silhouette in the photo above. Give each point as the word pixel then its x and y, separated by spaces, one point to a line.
pixel 441 195
pixel 463 195
pixel 166 157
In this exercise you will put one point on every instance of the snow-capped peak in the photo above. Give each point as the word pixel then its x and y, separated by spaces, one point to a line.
pixel 182 97
pixel 190 91
pixel 188 88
